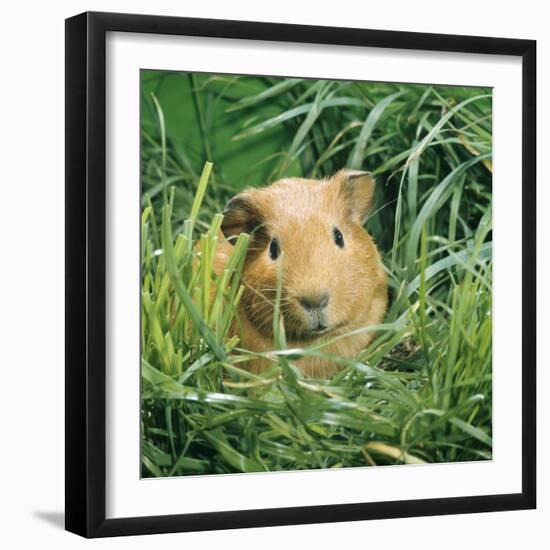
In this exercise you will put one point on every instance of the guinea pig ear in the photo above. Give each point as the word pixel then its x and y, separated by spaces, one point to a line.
pixel 240 215
pixel 357 190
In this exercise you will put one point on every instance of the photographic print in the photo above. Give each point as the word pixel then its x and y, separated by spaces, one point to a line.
pixel 280 274
pixel 316 274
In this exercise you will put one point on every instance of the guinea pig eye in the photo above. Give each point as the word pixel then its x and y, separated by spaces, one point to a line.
pixel 338 237
pixel 274 249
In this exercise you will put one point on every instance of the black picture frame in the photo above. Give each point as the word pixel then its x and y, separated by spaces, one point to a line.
pixel 85 489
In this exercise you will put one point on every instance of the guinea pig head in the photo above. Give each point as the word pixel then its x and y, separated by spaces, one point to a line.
pixel 310 233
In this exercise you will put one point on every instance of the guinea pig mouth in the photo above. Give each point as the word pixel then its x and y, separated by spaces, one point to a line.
pixel 315 326
pixel 321 329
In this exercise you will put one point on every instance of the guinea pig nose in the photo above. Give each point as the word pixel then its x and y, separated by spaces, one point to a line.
pixel 314 301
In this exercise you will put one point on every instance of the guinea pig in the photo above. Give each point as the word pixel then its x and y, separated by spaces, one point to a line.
pixel 332 280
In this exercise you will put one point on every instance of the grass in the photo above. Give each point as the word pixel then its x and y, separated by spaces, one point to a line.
pixel 421 392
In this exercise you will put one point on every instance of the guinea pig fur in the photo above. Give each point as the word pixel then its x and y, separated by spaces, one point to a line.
pixel 333 283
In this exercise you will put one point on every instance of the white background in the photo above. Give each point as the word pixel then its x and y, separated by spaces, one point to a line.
pixel 127 495
pixel 31 404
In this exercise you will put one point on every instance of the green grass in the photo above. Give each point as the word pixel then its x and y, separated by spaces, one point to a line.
pixel 421 392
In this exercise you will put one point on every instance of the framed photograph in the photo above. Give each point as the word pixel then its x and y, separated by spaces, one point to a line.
pixel 300 274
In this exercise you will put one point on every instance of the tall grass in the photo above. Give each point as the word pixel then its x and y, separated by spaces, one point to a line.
pixel 421 392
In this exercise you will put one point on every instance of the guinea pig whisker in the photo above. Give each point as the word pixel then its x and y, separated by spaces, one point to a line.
pixel 260 309
pixel 257 292
pixel 265 313
pixel 266 309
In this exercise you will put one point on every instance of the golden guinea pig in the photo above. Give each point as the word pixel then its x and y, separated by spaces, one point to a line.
pixel 333 282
